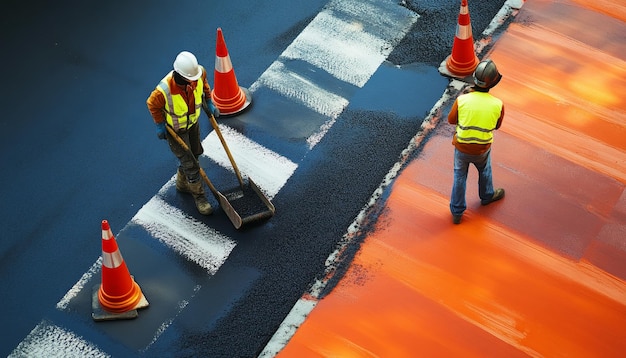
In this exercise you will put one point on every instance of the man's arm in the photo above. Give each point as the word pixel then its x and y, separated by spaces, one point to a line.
pixel 206 88
pixel 207 96
pixel 156 103
pixel 501 118
pixel 453 116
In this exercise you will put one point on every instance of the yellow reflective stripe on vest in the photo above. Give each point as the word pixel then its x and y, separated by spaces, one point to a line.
pixel 176 111
pixel 478 116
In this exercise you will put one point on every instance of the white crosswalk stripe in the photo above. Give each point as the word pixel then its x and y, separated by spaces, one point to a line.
pixel 297 88
pixel 348 40
pixel 49 340
pixel 271 170
pixel 189 237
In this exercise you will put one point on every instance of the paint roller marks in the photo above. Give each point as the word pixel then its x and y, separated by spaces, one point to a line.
pixel 271 170
pixel 184 234
pixel 279 78
pixel 48 340
pixel 348 40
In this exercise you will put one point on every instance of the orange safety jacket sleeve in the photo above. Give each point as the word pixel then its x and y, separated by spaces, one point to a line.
pixel 207 88
pixel 501 118
pixel 453 116
pixel 156 103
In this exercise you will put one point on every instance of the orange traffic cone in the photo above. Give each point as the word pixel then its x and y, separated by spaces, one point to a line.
pixel 118 292
pixel 463 60
pixel 227 95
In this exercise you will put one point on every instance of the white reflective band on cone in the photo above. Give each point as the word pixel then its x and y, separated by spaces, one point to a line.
pixel 112 260
pixel 223 64
pixel 463 32
pixel 106 234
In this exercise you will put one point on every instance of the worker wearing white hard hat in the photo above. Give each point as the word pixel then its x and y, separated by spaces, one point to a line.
pixel 176 102
pixel 187 66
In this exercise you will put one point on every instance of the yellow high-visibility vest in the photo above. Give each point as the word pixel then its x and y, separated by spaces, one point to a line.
pixel 176 111
pixel 478 116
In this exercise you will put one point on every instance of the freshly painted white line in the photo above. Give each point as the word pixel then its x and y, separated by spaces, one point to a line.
pixel 340 48
pixel 163 327
pixel 184 234
pixel 316 137
pixel 288 328
pixel 349 40
pixel 49 340
pixel 78 286
pixel 268 169
pixel 294 86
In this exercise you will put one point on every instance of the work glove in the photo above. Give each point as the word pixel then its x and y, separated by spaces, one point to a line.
pixel 160 129
pixel 213 109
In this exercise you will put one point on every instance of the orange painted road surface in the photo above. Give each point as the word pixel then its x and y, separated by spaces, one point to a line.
pixel 541 273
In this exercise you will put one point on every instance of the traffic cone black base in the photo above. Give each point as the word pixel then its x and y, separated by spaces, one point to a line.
pixel 100 314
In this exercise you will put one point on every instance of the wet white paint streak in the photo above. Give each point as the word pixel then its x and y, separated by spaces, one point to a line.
pixel 296 87
pixel 288 328
pixel 317 136
pixel 163 327
pixel 78 286
pixel 48 340
pixel 340 48
pixel 268 169
pixel 184 234
pixel 349 40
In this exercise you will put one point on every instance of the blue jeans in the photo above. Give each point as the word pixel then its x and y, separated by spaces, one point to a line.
pixel 485 184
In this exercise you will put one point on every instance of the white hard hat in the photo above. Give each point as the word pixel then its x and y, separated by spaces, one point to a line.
pixel 186 65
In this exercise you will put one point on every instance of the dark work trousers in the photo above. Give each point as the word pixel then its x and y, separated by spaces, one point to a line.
pixel 188 163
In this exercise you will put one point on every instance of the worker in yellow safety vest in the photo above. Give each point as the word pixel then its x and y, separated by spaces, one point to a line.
pixel 476 115
pixel 176 102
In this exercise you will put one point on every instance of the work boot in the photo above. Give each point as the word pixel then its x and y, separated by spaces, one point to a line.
pixel 198 196
pixel 182 184
pixel 497 195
